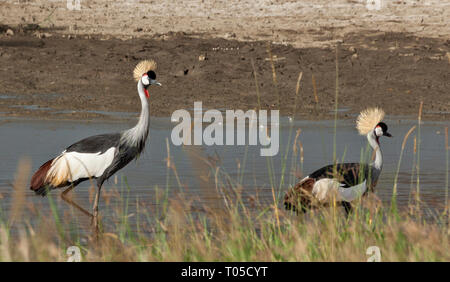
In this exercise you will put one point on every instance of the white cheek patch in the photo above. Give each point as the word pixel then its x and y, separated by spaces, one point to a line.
pixel 145 80
pixel 378 131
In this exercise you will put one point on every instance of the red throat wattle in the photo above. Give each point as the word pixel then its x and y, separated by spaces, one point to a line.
pixel 145 90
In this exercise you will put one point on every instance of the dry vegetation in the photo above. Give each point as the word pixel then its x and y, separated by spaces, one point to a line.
pixel 235 233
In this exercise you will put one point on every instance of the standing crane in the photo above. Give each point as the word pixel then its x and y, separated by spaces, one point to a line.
pixel 100 156
pixel 343 182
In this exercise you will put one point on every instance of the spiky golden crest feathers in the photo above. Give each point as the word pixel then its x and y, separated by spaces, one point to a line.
pixel 143 67
pixel 368 119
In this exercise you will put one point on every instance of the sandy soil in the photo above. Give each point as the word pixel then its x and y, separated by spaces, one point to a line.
pixel 305 23
pixel 71 64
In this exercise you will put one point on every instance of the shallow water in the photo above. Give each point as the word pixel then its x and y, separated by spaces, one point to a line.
pixel 41 140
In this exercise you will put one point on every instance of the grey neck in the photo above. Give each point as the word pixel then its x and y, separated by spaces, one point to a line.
pixel 137 135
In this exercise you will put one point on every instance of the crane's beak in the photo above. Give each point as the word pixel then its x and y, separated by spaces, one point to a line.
pixel 154 82
pixel 387 134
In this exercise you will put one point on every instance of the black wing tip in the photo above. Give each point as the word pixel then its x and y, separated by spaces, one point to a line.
pixel 43 190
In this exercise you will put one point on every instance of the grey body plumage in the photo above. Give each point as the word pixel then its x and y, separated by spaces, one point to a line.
pixel 94 144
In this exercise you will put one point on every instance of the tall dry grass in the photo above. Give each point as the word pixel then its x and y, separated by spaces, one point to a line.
pixel 234 233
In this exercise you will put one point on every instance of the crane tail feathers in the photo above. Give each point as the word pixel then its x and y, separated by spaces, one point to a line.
pixel 299 197
pixel 38 181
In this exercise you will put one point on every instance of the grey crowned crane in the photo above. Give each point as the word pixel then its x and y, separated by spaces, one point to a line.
pixel 343 182
pixel 99 157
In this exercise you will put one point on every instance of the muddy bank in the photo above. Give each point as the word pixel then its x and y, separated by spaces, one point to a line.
pixel 61 76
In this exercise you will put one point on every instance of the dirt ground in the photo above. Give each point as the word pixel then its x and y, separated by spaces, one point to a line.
pixel 62 63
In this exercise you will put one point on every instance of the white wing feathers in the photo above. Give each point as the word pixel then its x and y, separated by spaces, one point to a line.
pixel 324 190
pixel 71 166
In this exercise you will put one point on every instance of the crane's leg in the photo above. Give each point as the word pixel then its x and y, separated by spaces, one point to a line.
pixel 96 201
pixel 348 208
pixel 71 202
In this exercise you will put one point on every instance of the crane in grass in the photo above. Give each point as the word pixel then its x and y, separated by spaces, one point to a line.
pixel 343 182
pixel 99 157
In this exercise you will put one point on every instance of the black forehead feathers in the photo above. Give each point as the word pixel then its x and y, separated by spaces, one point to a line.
pixel 151 74
pixel 383 126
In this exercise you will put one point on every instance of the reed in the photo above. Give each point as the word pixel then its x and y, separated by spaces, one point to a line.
pixel 419 122
pixel 394 188
pixel 274 74
pixel 316 98
pixel 336 103
pixel 255 76
pixel 413 169
pixel 297 92
pixel 447 169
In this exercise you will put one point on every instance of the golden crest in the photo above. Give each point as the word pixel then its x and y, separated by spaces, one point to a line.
pixel 368 119
pixel 143 67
